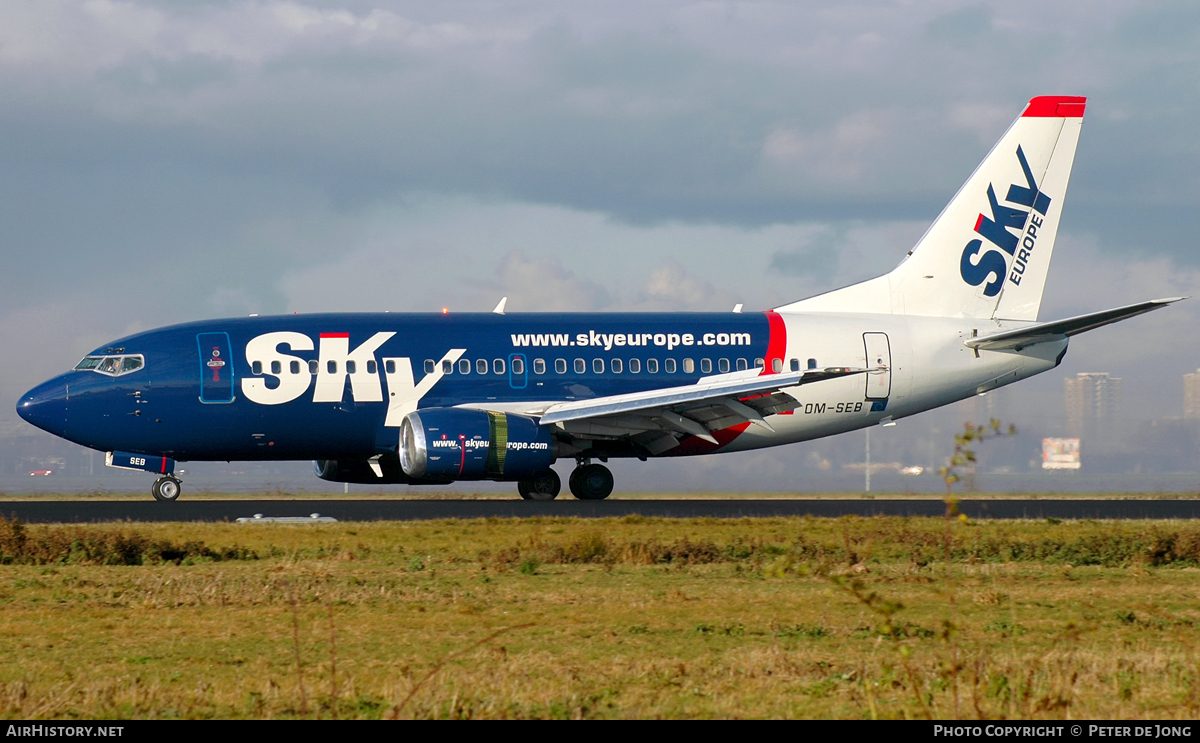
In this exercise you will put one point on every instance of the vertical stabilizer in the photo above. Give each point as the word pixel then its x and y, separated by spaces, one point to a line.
pixel 987 253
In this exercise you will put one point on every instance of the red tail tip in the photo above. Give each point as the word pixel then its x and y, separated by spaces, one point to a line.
pixel 1056 105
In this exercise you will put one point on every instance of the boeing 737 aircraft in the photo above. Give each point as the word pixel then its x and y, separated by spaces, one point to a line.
pixel 434 398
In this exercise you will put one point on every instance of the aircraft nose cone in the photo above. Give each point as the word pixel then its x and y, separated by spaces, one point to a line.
pixel 45 406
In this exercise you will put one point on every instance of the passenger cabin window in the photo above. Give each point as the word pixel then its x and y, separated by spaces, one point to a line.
pixel 498 366
pixel 598 366
pixel 312 367
pixel 723 365
pixel 518 366
pixel 759 363
pixel 617 366
pixel 706 366
pixel 294 366
pixel 464 366
pixel 276 367
pixel 389 366
pixel 539 366
pixel 812 363
pixel 580 366
pixel 481 366
pixel 669 366
pixel 776 365
pixel 742 365
pixel 256 367
pixel 795 364
pixel 689 366
pixel 652 366
pixel 635 366
pixel 372 368
pixel 447 367
pixel 351 367
pixel 331 367
pixel 429 366
pixel 560 366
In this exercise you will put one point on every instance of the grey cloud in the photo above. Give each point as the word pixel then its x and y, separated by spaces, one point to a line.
pixel 962 26
pixel 818 258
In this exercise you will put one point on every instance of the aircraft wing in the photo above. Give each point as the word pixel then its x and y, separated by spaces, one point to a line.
pixel 1059 329
pixel 652 418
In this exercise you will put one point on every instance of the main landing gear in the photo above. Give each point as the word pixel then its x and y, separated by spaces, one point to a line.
pixel 588 482
pixel 166 489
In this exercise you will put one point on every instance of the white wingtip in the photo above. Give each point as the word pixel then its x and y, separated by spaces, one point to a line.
pixel 500 307
pixel 738 308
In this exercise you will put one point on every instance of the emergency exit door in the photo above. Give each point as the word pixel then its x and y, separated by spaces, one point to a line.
pixel 879 361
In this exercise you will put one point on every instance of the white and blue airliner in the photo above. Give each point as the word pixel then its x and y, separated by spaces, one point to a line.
pixel 434 398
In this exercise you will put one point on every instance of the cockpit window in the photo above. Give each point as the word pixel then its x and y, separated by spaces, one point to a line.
pixel 113 366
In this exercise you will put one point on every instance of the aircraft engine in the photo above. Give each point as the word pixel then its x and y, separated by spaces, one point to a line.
pixel 462 444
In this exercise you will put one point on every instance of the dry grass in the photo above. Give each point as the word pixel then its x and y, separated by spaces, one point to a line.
pixel 612 618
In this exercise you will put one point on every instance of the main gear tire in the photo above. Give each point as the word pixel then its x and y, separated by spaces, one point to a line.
pixel 591 482
pixel 542 487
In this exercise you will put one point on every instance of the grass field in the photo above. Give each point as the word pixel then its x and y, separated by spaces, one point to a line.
pixel 847 618
pixel 424 494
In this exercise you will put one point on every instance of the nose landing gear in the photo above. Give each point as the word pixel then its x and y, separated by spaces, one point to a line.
pixel 166 488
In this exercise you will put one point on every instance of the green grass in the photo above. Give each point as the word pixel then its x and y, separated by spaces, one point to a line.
pixel 389 493
pixel 632 617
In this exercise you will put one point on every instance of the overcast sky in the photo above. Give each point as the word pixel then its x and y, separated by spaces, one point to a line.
pixel 165 162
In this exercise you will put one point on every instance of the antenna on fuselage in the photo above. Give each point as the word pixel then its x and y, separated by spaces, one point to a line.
pixel 500 307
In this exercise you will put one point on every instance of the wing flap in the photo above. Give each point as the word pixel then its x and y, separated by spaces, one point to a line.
pixel 765 388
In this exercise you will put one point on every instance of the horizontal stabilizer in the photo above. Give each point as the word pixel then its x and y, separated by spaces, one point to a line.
pixel 1059 329
pixel 664 398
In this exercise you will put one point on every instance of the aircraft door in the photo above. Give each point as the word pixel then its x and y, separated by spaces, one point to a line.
pixel 879 354
pixel 216 368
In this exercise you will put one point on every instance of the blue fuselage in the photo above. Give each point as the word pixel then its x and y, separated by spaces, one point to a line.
pixel 194 397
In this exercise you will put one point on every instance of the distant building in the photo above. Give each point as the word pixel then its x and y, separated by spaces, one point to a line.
pixel 1191 395
pixel 1093 402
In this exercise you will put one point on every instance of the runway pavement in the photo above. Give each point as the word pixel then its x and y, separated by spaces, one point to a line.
pixel 413 510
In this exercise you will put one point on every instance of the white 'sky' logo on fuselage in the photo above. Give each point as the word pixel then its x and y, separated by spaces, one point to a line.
pixel 335 363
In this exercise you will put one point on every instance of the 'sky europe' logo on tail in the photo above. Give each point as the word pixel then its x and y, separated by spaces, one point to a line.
pixel 977 266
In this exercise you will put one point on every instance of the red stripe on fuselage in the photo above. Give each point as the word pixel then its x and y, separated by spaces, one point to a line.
pixel 777 342
pixel 335 335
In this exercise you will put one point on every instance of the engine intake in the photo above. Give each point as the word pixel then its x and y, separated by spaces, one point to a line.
pixel 463 444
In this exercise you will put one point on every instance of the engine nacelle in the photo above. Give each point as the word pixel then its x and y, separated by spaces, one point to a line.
pixel 462 444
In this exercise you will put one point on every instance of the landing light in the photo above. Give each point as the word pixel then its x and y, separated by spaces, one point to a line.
pixel 445 310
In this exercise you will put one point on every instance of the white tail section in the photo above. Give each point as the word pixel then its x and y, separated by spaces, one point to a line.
pixel 987 253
